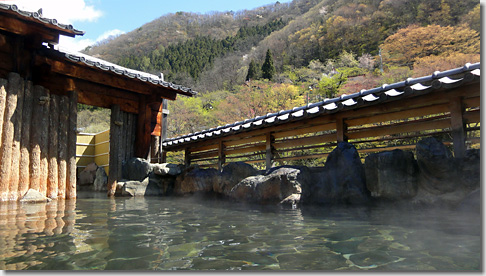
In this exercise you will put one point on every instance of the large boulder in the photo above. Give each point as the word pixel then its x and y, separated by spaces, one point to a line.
pixel 470 169
pixel 232 174
pixel 438 170
pixel 342 180
pixel 166 169
pixel 101 180
pixel 136 169
pixel 195 179
pixel 165 183
pixel 391 175
pixel 279 185
pixel 140 188
pixel 87 176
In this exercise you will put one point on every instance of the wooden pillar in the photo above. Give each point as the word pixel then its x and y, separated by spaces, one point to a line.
pixel 187 157
pixel 269 154
pixel 24 174
pixel 63 146
pixel 71 162
pixel 221 155
pixel 53 170
pixel 3 100
pixel 8 135
pixel 341 129
pixel 163 136
pixel 458 127
pixel 143 129
pixel 115 138
pixel 17 121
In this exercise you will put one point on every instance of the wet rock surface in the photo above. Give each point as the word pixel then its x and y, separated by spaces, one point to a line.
pixel 434 178
pixel 391 175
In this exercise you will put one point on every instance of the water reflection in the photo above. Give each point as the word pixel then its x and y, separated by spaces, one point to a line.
pixel 185 233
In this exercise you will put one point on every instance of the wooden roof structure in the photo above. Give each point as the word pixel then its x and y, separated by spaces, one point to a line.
pixel 27 47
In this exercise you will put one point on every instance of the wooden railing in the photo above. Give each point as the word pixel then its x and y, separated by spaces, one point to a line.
pixel 452 115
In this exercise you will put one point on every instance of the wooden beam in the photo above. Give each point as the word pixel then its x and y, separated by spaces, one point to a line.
pixel 42 32
pixel 458 127
pixel 106 78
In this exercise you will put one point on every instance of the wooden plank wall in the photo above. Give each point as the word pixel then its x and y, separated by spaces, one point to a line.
pixel 123 129
pixel 36 130
pixel 387 126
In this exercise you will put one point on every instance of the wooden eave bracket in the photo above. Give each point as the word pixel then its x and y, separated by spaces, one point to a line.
pixel 32 28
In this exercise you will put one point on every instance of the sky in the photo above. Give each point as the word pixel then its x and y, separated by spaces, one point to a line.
pixel 103 18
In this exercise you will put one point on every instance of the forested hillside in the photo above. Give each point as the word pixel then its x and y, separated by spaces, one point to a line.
pixel 248 63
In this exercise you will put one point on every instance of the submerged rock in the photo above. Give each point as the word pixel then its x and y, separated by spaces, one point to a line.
pixel 34 196
pixel 140 188
pixel 342 180
pixel 391 175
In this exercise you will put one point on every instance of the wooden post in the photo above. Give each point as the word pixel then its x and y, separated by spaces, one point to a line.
pixel 63 145
pixel 269 150
pixel 35 138
pixel 221 155
pixel 165 113
pixel 458 127
pixel 17 122
pixel 341 129
pixel 187 157
pixel 53 172
pixel 71 161
pixel 143 129
pixel 8 135
pixel 115 137
pixel 24 174
pixel 3 100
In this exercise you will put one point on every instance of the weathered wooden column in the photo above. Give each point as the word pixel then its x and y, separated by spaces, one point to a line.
pixel 17 137
pixel 24 174
pixel 8 135
pixel 72 136
pixel 63 145
pixel 269 153
pixel 221 155
pixel 115 137
pixel 341 129
pixel 458 127
pixel 53 171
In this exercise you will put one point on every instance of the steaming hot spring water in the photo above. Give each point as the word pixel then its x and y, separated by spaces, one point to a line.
pixel 190 233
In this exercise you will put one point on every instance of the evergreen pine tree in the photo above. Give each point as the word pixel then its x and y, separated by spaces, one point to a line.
pixel 252 71
pixel 268 70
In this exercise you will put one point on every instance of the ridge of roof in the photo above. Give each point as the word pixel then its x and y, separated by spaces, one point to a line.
pixel 468 72
pixel 38 17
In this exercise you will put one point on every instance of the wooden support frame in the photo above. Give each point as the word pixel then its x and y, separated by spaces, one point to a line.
pixel 221 155
pixel 269 150
pixel 458 127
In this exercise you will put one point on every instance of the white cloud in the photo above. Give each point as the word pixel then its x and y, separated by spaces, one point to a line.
pixel 64 11
pixel 78 44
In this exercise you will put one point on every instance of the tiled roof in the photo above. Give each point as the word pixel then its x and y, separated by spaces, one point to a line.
pixel 130 73
pixel 38 17
pixel 446 79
